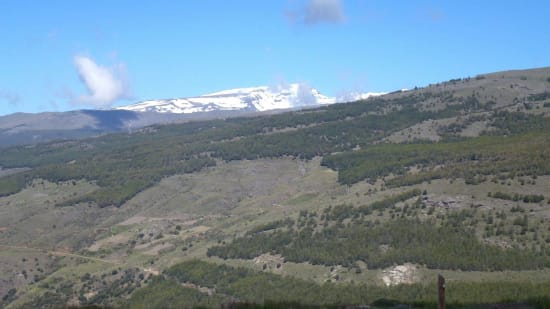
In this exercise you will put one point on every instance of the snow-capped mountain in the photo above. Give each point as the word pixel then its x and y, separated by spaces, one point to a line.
pixel 243 99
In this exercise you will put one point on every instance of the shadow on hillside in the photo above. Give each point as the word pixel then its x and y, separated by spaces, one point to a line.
pixel 111 119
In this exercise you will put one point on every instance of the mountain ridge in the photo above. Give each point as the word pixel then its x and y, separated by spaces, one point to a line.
pixel 30 128
pixel 261 98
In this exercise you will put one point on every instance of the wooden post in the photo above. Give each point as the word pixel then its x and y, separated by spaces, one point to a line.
pixel 441 288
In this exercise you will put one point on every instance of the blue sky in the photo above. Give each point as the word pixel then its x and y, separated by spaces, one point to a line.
pixel 61 55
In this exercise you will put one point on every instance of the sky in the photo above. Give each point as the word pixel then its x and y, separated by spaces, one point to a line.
pixel 60 55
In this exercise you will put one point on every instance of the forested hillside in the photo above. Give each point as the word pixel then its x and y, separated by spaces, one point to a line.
pixel 356 203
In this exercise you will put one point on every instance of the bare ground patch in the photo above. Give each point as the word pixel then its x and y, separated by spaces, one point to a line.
pixel 109 241
pixel 156 249
pixel 400 274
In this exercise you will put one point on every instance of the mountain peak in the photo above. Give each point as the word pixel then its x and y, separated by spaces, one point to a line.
pixel 260 98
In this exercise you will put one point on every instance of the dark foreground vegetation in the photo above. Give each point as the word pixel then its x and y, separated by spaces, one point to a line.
pixel 251 289
pixel 345 235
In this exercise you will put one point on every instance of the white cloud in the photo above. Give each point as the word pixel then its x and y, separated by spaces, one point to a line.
pixel 351 96
pixel 105 85
pixel 305 95
pixel 279 84
pixel 319 11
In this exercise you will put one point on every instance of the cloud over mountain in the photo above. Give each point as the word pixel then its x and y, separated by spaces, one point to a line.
pixel 306 95
pixel 105 85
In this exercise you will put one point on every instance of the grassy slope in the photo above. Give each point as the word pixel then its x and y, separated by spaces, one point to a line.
pixel 212 209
